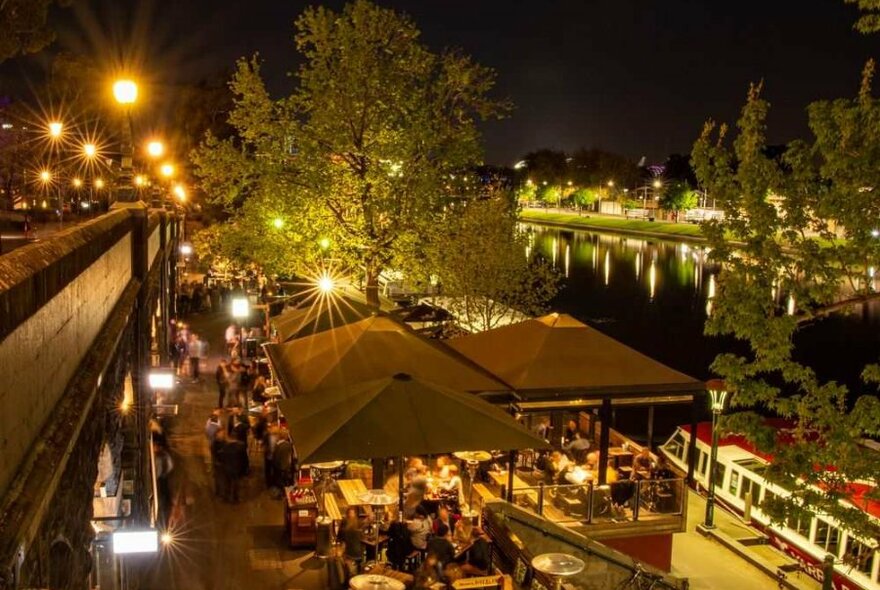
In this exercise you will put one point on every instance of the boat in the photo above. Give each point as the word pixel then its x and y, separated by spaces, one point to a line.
pixel 741 487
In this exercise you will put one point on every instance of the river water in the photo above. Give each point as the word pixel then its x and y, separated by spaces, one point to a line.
pixel 653 295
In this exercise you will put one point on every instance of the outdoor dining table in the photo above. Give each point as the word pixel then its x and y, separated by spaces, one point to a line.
pixel 375 582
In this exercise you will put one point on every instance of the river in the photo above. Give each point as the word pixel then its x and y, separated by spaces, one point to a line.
pixel 654 294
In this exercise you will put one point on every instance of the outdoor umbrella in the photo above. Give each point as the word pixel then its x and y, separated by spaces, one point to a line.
pixel 318 314
pixel 397 416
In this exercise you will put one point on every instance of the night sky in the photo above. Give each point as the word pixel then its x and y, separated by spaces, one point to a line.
pixel 634 76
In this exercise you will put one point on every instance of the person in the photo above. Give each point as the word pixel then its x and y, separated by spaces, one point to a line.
pixel 463 533
pixel 235 463
pixel 440 546
pixel 213 425
pixel 258 393
pixel 542 428
pixel 419 529
pixel 222 484
pixel 442 468
pixel 181 347
pixel 443 517
pixel 428 574
pixel 642 462
pixel 283 458
pixel 662 471
pixel 238 426
pixel 454 483
pixel 221 376
pixel 195 356
pixel 233 381
pixel 611 472
pixel 570 430
pixel 231 338
pixel 578 446
pixel 27 227
pixel 559 463
pixel 351 536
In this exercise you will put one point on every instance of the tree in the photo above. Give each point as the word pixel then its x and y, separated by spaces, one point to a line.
pixel 550 166
pixel 361 151
pixel 869 22
pixel 23 23
pixel 678 196
pixel 585 197
pixel 595 167
pixel 784 265
pixel 550 194
pixel 481 261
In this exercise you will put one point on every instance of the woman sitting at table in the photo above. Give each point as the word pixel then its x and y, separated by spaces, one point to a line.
pixel 643 464
pixel 351 536
pixel 559 464
pixel 441 471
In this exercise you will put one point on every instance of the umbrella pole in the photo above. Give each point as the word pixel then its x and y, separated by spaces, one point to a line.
pixel 400 487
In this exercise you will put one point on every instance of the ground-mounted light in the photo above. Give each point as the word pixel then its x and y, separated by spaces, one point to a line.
pixel 161 380
pixel 186 249
pixel 241 307
pixel 132 541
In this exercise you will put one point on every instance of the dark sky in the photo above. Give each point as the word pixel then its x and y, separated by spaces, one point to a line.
pixel 634 76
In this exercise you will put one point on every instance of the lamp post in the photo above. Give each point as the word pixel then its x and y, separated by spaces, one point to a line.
pixel 717 397
pixel 125 92
pixel 241 309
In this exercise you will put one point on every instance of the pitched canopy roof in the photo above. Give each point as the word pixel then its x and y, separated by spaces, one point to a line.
pixel 395 416
pixel 372 348
pixel 556 353
pixel 318 315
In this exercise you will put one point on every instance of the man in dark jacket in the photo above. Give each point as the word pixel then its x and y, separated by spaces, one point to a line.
pixel 235 463
pixel 441 547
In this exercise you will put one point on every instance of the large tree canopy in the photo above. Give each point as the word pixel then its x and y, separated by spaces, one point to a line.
pixel 360 153
pixel 799 240
pixel 23 26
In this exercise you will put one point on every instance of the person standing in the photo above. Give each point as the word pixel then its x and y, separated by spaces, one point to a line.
pixel 222 484
pixel 164 466
pixel 195 356
pixel 221 375
pixel 231 336
pixel 235 463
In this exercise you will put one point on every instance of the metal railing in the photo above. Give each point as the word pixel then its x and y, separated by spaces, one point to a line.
pixel 622 501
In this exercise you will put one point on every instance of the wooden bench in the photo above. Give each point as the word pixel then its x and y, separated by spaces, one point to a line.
pixel 483 492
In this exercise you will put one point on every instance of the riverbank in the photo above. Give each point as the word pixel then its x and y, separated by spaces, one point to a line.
pixel 638 227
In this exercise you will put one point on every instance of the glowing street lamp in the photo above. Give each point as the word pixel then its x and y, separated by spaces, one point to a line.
pixel 45 176
pixel 77 183
pixel 186 250
pixel 155 149
pixel 180 192
pixel 125 91
pixel 99 184
pixel 55 129
pixel 278 223
pixel 90 150
pixel 326 284
pixel 718 395
pixel 167 170
pixel 161 380
pixel 241 308
pixel 132 541
pixel 140 180
pixel 324 243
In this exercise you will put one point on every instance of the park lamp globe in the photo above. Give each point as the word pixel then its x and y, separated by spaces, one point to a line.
pixel 125 91
pixel 155 149
pixel 718 395
pixel 241 308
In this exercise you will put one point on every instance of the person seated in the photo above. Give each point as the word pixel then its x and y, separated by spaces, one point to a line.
pixel 419 529
pixel 428 574
pixel 570 430
pixel 578 446
pixel 592 460
pixel 443 517
pixel 642 463
pixel 351 537
pixel 477 563
pixel 452 573
pixel 662 470
pixel 559 464
pixel 611 472
pixel 441 470
pixel 440 546
pixel 463 532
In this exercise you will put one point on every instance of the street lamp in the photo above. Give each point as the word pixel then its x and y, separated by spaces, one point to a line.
pixel 126 91
pixel 241 309
pixel 718 395
pixel 166 170
pixel 155 149
pixel 90 150
pixel 55 129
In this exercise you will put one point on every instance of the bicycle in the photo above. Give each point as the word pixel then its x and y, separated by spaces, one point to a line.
pixel 640 580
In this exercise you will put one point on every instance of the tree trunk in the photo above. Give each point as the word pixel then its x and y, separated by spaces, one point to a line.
pixel 371 286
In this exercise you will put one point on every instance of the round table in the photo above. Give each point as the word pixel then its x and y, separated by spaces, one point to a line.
pixel 375 582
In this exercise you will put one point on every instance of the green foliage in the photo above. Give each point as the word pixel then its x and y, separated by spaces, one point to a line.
pixel 24 27
pixel 550 194
pixel 585 197
pixel 778 210
pixel 479 257
pixel 361 151
pixel 526 192
pixel 596 167
pixel 678 196
pixel 869 21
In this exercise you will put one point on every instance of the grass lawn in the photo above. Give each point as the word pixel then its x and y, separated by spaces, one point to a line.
pixel 615 223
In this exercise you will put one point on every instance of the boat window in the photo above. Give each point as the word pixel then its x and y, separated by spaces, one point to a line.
pixel 769 498
pixel 859 556
pixel 703 463
pixel 827 536
pixel 745 487
pixel 800 525
pixel 676 446
pixel 734 482
pixel 754 465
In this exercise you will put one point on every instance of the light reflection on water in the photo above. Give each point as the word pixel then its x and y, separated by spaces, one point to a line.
pixel 654 295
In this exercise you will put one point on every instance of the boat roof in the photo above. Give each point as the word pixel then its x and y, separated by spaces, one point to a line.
pixel 858 492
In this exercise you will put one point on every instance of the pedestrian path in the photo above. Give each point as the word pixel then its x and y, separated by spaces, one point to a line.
pixel 709 564
pixel 216 545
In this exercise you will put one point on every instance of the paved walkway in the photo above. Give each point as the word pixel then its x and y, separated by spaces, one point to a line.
pixel 219 545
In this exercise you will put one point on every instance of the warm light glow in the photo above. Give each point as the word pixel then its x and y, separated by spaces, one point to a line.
pixel 125 91
pixel 99 183
pixel 155 149
pixel 278 223
pixel 186 249
pixel 140 180
pixel 45 176
pixel 124 406
pixel 610 183
pixel 161 380
pixel 126 541
pixel 180 192
pixel 55 129
pixel 77 182
pixel 326 284
pixel 324 243
pixel 657 184
pixel 241 307
pixel 167 170
pixel 718 395
pixel 90 150
pixel 166 538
